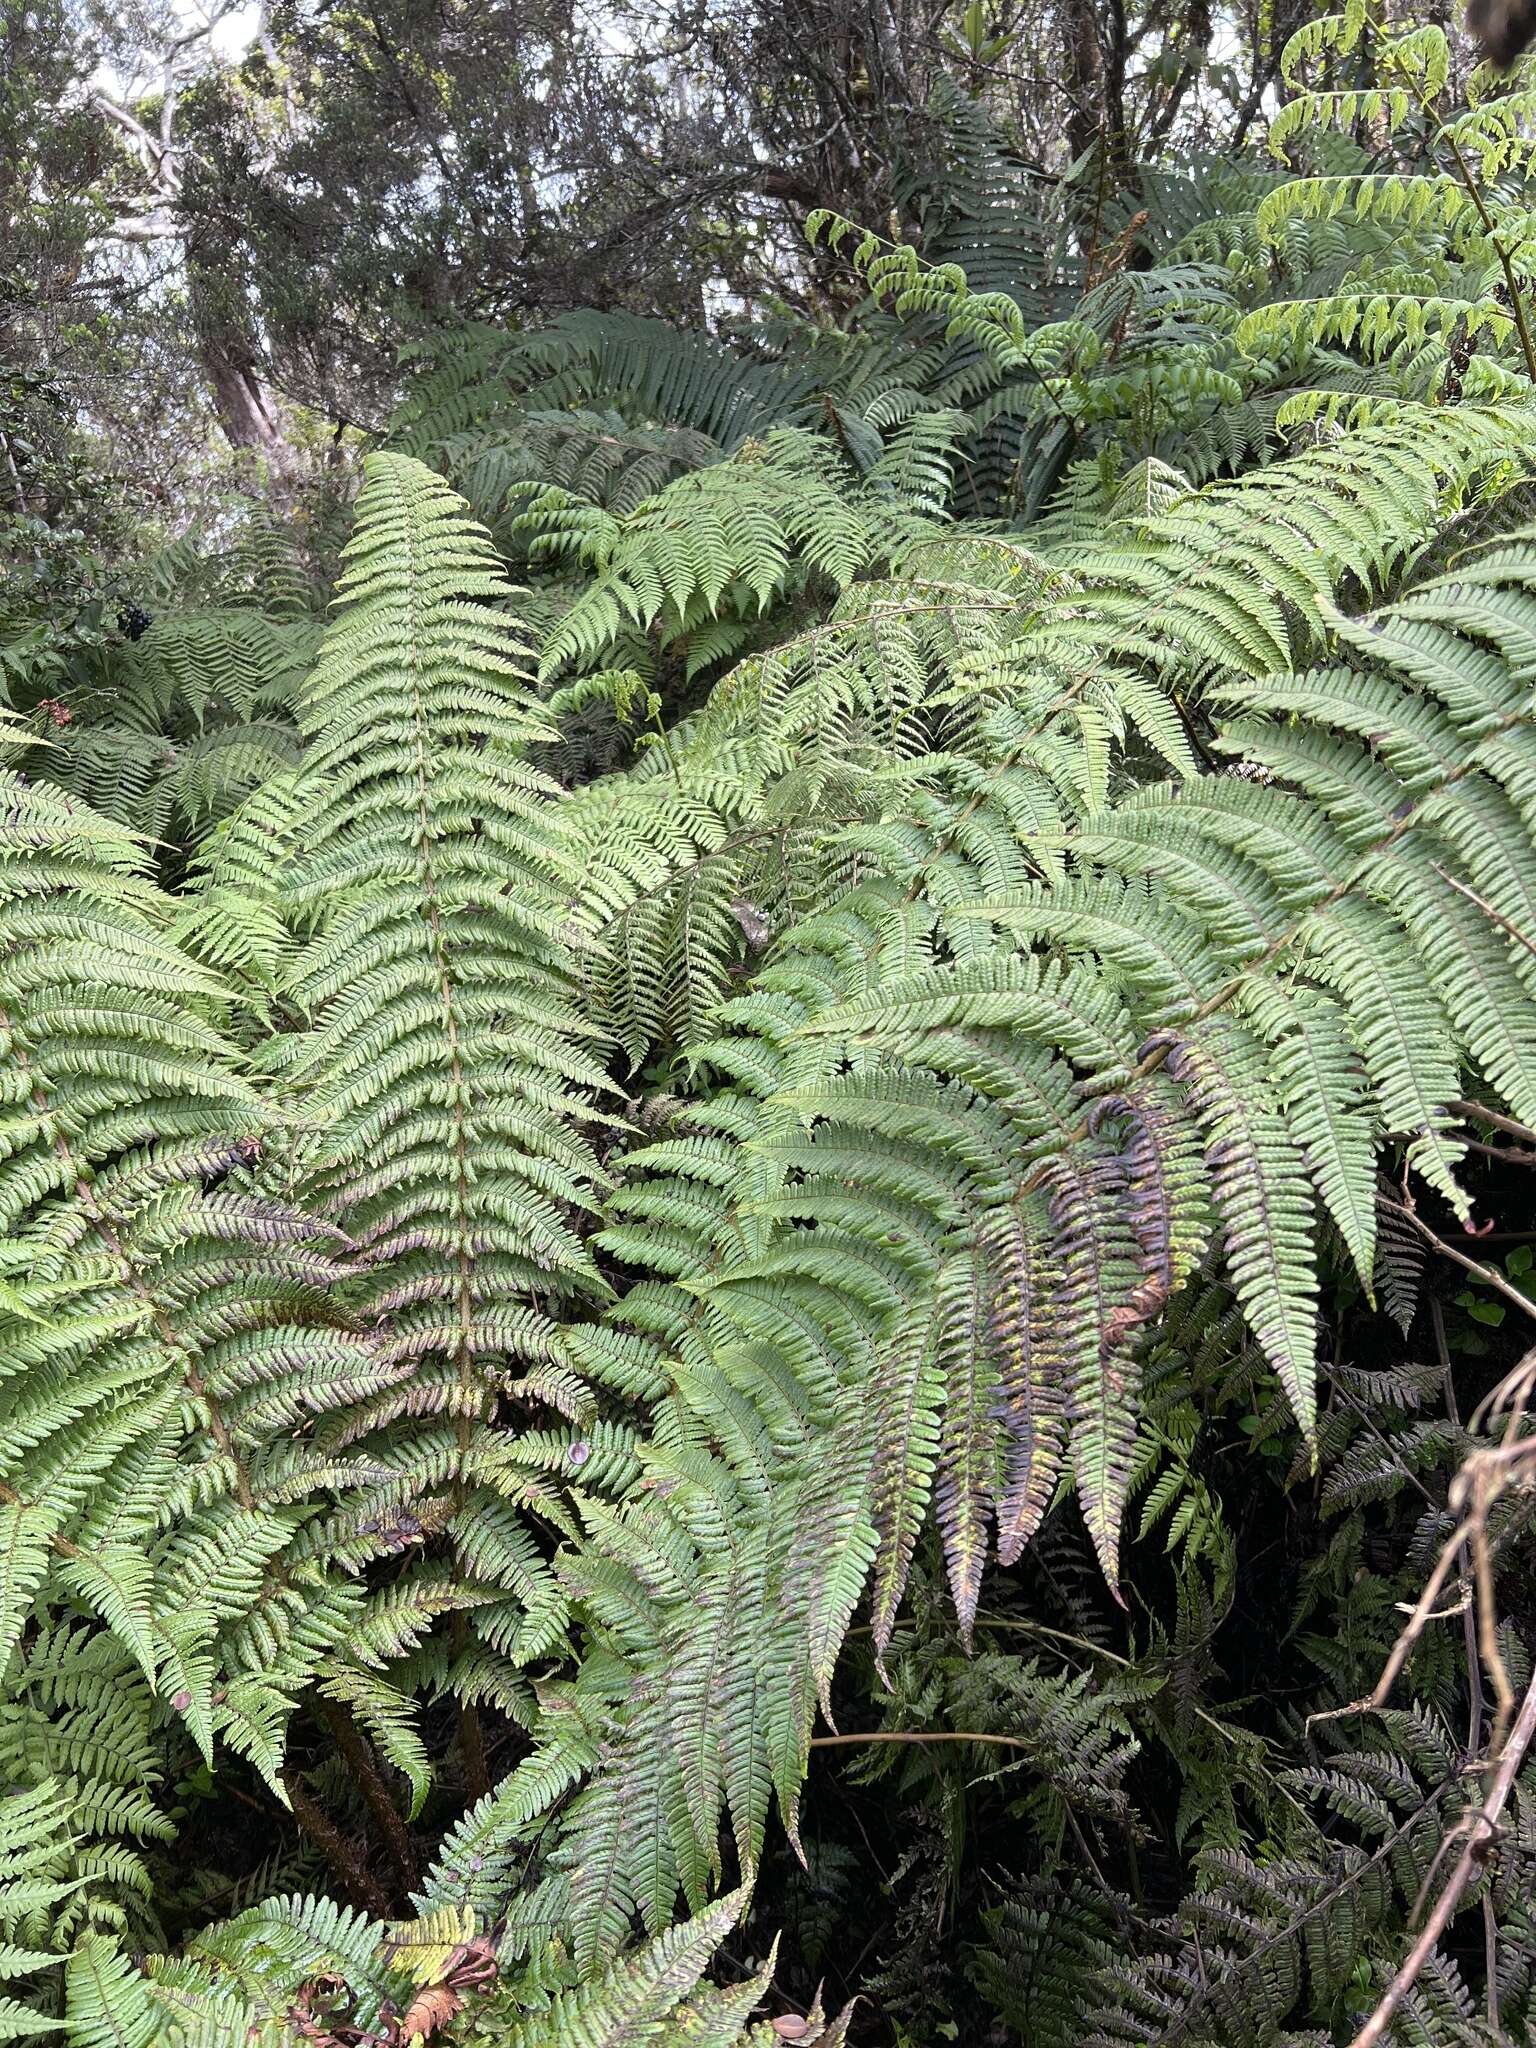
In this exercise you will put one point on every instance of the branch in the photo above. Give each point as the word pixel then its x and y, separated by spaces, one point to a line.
pixel 921 1735
pixel 1484 1273
pixel 1496 1118
pixel 1482 1830
pixel 155 155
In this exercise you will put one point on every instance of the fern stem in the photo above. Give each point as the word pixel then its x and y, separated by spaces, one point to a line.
pixel 1508 1153
pixel 1485 218
pixel 1496 1118
pixel 1469 1621
pixel 457 1088
pixel 477 1776
pixel 350 1872
pixel 1474 1685
pixel 354 1748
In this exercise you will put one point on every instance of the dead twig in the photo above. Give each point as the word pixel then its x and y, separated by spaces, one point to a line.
pixel 1487 1473
pixel 1481 1831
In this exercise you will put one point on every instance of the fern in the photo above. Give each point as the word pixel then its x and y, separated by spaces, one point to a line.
pixel 445 1071
pixel 158 1352
pixel 655 1280
pixel 1099 1112
pixel 168 729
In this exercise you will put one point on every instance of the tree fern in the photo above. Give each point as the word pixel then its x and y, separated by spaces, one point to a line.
pixel 157 1347
pixel 723 835
pixel 508 1239
pixel 1102 1097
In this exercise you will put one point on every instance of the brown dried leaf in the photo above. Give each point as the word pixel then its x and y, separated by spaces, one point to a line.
pixel 430 2010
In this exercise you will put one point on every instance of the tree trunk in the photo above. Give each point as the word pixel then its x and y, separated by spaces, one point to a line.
pixel 227 348
pixel 244 409
pixel 1096 126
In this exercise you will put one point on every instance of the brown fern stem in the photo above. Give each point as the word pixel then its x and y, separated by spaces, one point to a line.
pixel 477 1776
pixel 345 1865
pixel 358 1754
pixel 1481 1831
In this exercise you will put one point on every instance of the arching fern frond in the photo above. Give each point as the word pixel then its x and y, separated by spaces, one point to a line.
pixel 985 1141
pixel 447 1068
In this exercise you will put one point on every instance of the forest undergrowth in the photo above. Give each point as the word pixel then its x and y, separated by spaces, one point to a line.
pixel 766 1137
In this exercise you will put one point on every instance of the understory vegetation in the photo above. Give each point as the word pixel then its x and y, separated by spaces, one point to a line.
pixel 765 1132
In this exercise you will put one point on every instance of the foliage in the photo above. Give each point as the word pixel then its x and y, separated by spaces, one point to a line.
pixel 745 1280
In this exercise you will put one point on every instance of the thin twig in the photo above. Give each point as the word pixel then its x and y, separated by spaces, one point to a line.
pixel 1496 1117
pixel 1474 1686
pixel 921 1735
pixel 1481 1830
pixel 1484 1476
pixel 1468 1616
pixel 1486 1274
